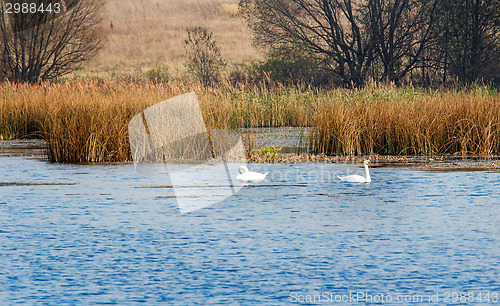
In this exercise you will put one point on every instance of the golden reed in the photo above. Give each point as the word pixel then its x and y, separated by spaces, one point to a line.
pixel 87 120
pixel 397 121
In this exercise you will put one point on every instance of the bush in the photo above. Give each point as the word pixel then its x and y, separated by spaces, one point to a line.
pixel 291 65
pixel 271 152
pixel 158 74
pixel 204 61
pixel 244 74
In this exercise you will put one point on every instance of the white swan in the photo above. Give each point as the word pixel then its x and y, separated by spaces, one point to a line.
pixel 250 176
pixel 358 178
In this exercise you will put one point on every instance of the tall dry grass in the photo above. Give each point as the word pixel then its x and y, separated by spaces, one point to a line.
pixel 408 121
pixel 145 34
pixel 86 121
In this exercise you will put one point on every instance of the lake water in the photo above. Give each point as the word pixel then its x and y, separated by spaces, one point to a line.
pixel 105 234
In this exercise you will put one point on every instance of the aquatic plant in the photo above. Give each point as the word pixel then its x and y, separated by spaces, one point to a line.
pixel 86 120
pixel 271 152
pixel 392 121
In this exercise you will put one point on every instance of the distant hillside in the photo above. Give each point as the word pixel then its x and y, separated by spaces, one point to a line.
pixel 142 34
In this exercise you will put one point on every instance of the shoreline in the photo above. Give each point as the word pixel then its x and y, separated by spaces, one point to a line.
pixel 33 148
pixel 438 162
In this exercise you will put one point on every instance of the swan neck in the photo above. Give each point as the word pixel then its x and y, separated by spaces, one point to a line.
pixel 367 174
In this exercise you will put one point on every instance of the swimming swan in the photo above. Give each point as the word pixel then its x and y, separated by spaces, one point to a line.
pixel 249 176
pixel 358 178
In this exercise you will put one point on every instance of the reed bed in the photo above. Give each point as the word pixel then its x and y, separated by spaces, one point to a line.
pixel 406 121
pixel 87 120
pixel 81 121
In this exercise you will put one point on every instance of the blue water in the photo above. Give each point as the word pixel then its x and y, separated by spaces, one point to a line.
pixel 76 234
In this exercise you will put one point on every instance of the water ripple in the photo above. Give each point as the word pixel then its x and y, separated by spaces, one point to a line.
pixel 107 235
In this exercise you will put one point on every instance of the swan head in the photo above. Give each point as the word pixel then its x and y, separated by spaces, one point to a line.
pixel 368 163
pixel 243 169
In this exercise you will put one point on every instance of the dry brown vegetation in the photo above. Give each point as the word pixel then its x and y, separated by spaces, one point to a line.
pixel 408 121
pixel 145 34
pixel 86 121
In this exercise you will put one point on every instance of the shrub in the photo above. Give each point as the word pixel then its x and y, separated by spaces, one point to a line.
pixel 158 74
pixel 271 152
pixel 292 65
pixel 204 60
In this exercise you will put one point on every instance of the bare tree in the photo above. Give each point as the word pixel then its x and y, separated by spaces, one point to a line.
pixel 335 30
pixel 48 39
pixel 402 30
pixel 475 44
pixel 426 40
pixel 466 44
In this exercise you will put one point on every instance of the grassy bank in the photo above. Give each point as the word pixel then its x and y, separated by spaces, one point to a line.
pixel 142 35
pixel 86 121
